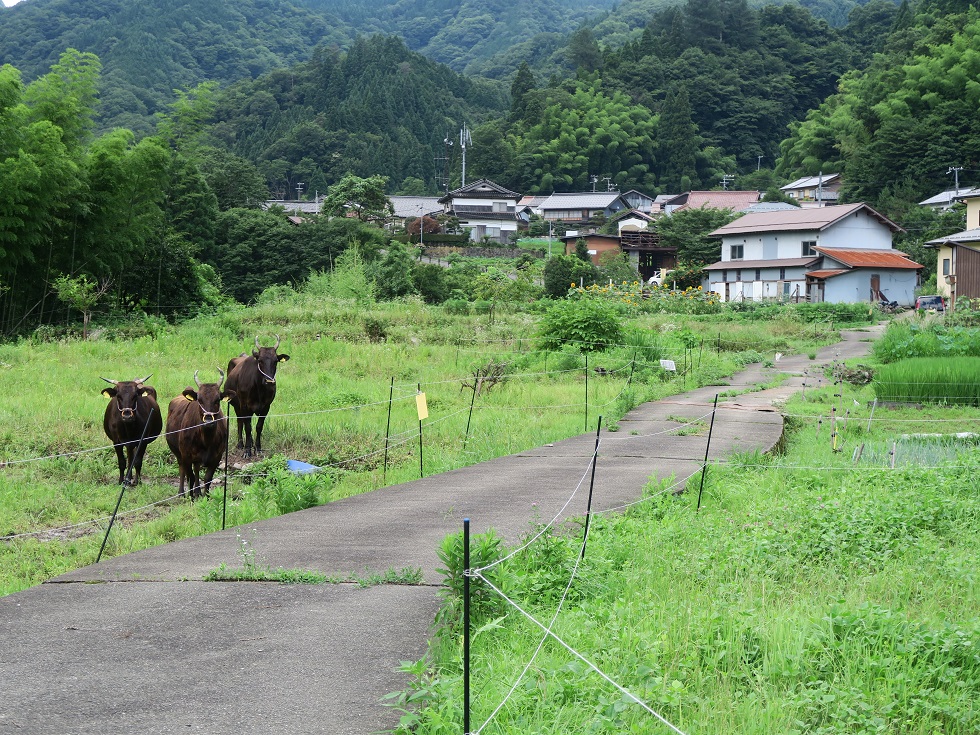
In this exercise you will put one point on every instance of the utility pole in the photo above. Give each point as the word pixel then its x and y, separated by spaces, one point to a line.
pixel 299 191
pixel 464 140
pixel 608 180
pixel 726 179
pixel 758 163
pixel 593 180
pixel 820 187
pixel 955 170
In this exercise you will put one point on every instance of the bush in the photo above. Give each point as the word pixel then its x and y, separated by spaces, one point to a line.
pixel 456 306
pixel 592 324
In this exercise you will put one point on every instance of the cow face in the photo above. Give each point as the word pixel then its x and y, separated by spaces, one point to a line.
pixel 268 360
pixel 127 394
pixel 208 397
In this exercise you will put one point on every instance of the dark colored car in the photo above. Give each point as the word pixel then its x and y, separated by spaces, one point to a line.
pixel 930 303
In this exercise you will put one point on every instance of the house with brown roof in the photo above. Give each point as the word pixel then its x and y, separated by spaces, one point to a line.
pixel 737 201
pixel 839 253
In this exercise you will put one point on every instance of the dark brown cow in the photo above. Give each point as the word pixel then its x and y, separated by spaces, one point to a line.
pixel 132 420
pixel 197 433
pixel 253 380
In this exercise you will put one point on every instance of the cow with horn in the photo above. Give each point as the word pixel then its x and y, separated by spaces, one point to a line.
pixel 132 420
pixel 252 378
pixel 197 433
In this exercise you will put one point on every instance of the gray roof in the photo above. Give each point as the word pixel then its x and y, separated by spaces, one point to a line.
pixel 406 207
pixel 295 207
pixel 946 198
pixel 771 207
pixel 957 238
pixel 773 263
pixel 580 200
pixel 807 181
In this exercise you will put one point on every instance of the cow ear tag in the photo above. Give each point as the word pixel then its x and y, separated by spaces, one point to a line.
pixel 189 398
pixel 105 392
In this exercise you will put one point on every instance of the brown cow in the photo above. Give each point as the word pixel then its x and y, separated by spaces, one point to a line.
pixel 197 433
pixel 253 380
pixel 132 420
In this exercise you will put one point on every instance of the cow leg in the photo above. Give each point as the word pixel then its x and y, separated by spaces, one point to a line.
pixel 258 433
pixel 121 462
pixel 248 435
pixel 183 476
pixel 241 426
pixel 195 480
pixel 137 465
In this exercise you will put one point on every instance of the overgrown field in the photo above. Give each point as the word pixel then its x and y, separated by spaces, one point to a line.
pixel 831 590
pixel 57 482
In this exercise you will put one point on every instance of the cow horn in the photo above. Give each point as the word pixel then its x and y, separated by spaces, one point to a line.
pixel 257 345
pixel 111 382
pixel 196 380
pixel 222 374
pixel 276 347
pixel 140 382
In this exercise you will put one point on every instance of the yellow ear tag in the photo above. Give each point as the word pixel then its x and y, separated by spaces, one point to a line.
pixel 189 399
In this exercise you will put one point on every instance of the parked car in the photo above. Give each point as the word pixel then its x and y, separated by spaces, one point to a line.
pixel 930 303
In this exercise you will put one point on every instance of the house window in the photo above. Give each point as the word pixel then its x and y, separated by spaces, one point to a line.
pixel 499 206
pixel 724 276
pixel 945 266
pixel 782 274
pixel 758 274
pixel 738 274
pixel 808 247
pixel 493 232
pixel 738 252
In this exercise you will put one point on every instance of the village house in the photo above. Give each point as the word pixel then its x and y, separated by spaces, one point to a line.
pixel 642 248
pixel 581 208
pixel 958 255
pixel 814 191
pixel 487 209
pixel 840 254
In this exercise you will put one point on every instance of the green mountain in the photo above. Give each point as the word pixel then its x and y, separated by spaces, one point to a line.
pixel 149 48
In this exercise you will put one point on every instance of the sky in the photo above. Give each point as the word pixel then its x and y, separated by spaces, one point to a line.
pixel 8 3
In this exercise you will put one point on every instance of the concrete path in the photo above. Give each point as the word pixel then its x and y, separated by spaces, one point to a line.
pixel 139 644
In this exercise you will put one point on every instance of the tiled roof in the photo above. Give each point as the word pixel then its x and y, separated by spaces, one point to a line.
pixel 826 273
pixel 774 263
pixel 580 200
pixel 482 189
pixel 737 201
pixel 869 258
pixel 406 207
pixel 816 218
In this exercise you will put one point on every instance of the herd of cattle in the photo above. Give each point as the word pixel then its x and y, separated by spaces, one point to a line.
pixel 197 431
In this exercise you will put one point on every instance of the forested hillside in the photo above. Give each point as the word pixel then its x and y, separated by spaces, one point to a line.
pixel 149 48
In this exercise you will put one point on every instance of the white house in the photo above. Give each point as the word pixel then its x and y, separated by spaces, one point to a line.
pixel 581 207
pixel 814 191
pixel 838 253
pixel 489 210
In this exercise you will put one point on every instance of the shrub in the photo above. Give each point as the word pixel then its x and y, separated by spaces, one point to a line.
pixel 592 324
pixel 456 306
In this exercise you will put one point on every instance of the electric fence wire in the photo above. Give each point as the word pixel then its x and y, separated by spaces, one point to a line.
pixel 65 529
pixel 551 634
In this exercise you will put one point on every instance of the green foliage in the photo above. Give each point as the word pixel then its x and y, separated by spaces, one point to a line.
pixel 364 198
pixel 902 340
pixel 393 276
pixel 949 380
pixel 565 271
pixel 688 230
pixel 591 324
pixel 485 604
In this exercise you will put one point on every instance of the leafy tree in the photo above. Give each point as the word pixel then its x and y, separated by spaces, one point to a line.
pixel 678 143
pixel 81 293
pixel 617 268
pixel 563 270
pixel 583 51
pixel 364 198
pixel 689 230
pixel 591 324
pixel 582 250
pixel 429 280
pixel 393 277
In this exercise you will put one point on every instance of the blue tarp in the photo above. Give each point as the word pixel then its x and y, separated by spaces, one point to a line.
pixel 300 468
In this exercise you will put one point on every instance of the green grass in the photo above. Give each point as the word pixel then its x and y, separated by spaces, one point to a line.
pixel 944 380
pixel 57 486
pixel 808 595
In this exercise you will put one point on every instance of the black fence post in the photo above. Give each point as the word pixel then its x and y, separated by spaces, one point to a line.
pixel 466 626
pixel 384 467
pixel 704 467
pixel 588 507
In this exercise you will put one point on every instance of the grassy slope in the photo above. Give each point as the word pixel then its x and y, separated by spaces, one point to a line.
pixel 810 594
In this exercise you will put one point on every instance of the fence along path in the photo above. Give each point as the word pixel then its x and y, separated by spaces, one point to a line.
pixel 139 644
